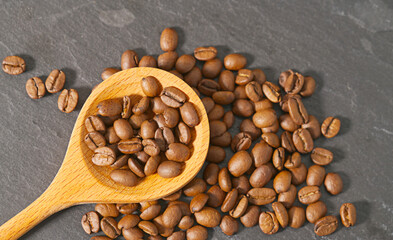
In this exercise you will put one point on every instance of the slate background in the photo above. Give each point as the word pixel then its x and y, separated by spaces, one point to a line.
pixel 347 46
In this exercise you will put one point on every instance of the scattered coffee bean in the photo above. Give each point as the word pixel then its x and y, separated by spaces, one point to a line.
pixel 55 81
pixel 167 60
pixel 129 59
pixel 315 211
pixel 297 217
pixel 169 39
pixel 333 183
pixel 212 68
pixel 330 127
pixel 315 175
pixel 326 225
pixel 309 194
pixel 229 225
pixel 35 88
pixel 235 61
pixel 268 223
pixel 13 65
pixel 348 214
pixel 208 217
pixel 261 196
pixel 281 213
pixel 109 227
pixel 205 53
pixel 147 61
pixel 91 222
pixel 108 72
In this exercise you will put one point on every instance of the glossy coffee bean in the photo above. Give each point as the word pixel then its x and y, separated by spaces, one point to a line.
pixel 169 169
pixel 205 53
pixel 299 174
pixel 216 196
pixel 241 184
pixel 263 104
pixel 261 153
pixel 226 81
pixel 297 217
pixel 212 68
pixel 185 63
pixel 110 107
pixel 129 59
pixel 171 216
pixel 235 61
pixel 216 113
pixel 268 223
pixel 148 61
pixel 94 123
pixel 210 174
pixel 35 88
pixel 67 101
pixel 287 142
pixel 193 77
pixel 215 154
pixel 141 106
pixel 284 101
pixel 151 87
pixel 128 221
pixel 197 233
pixel 208 87
pixel 244 76
pixel 109 227
pixel 208 217
pixel 330 127
pixel 148 129
pixel 293 161
pixel 288 198
pixel 272 92
pixel 169 39
pixel 292 82
pixel 281 213
pixel 239 163
pixel 287 123
pixel 309 194
pixel 315 211
pixel 186 222
pixel 104 156
pixel 326 225
pixel 111 136
pixel 108 72
pixel 157 105
pixel 178 152
pixel 261 196
pixel 248 126
pixel 13 65
pixel 91 222
pixel 313 127
pixel 198 202
pixel 189 114
pixel 179 235
pixel 224 180
pixel 223 140
pixel 303 141
pixel 94 140
pixel 308 87
pixel 240 92
pixel 173 97
pixel 254 91
pixel 196 186
pixel 55 81
pixel 124 177
pixel 167 60
pixel 241 141
pixel 230 200
pixel 261 176
pixel 229 119
pixel 107 209
pixel 148 227
pixel 136 167
pixel 282 181
pixel 240 207
pixel 229 225
pixel 297 111
pixel 321 156
pixel 264 118
pixel 243 108
pixel 271 139
pixel 162 230
pixel 348 214
pixel 315 175
pixel 333 183
pixel 123 129
pixel 223 97
pixel 130 146
pixel 251 217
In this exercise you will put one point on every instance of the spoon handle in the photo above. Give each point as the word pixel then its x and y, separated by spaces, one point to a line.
pixel 50 202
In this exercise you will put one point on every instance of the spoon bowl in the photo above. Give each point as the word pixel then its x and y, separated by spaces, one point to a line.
pixel 79 181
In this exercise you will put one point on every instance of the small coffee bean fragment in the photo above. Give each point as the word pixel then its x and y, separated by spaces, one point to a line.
pixel 326 225
pixel 35 88
pixel 348 214
pixel 330 127
pixel 205 53
pixel 268 223
pixel 13 65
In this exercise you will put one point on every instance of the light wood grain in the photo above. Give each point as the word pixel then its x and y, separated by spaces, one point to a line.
pixel 79 181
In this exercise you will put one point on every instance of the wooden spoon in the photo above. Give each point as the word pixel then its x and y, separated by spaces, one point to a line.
pixel 80 181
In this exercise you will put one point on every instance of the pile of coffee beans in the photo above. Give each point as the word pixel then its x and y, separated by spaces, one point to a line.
pixel 152 136
pixel 265 169
pixel 36 89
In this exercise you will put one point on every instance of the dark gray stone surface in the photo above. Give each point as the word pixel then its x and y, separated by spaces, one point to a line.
pixel 345 45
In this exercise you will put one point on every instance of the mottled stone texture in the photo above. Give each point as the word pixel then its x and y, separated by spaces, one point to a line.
pixel 345 45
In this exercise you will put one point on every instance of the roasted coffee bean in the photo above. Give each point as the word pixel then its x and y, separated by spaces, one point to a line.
pixel 292 82
pixel 111 136
pixel 215 154
pixel 141 106
pixel 326 225
pixel 109 227
pixel 205 53
pixel 173 97
pixel 241 141
pixel 268 223
pixel 91 222
pixel 264 118
pixel 107 210
pixel 151 165
pixel 55 81
pixel 179 235
pixel 240 92
pixel 330 127
pixel 208 217
pixel 315 211
pixel 137 120
pixel 193 77
pixel 210 174
pixel 254 91
pixel 168 39
pixel 94 123
pixel 148 61
pixel 127 107
pixel 151 147
pixel 333 183
pixel 110 107
pixel 287 142
pixel 235 61
pixel 281 213
pixel 150 86
pixel 224 180
pixel 198 202
pixel 282 181
pixel 243 108
pixel 261 153
pixel 315 175
pixel 133 233
pixel 226 81
pixel 169 169
pixel 167 60
pixel 261 176
pixel 172 117
pixel 185 63
pixel 251 217
pixel 130 146
pixel 230 200
pixel 164 136
pixel 309 194
pixel 177 152
pixel 321 156
pixel 189 114
pixel 348 214
pixel 148 129
pixel 136 167
pixel 240 207
pixel 293 161
pixel 229 119
pixel 287 123
pixel 186 222
pixel 35 88
pixel 183 133
pixel 239 163
pixel 67 101
pixel 272 92
pixel 288 198
pixel 299 174
pixel 196 186
pixel 248 126
pixel 108 72
pixel 127 208
pixel 120 162
pixel 129 59
pixel 94 140
pixel 171 216
pixel 279 158
pixel 13 65
pixel 259 76
pixel 104 156
pixel 313 127
pixel 177 74
pixel 217 128
pixel 241 184
pixel 162 230
pixel 308 87
pixel 216 113
pixel 124 177
pixel 271 139
pixel 303 141
pixel 128 221
pixel 197 233
pixel 157 106
pixel 284 101
pixel 229 225
pixel 243 77
pixel 148 227
pixel 297 111
pixel 272 129
pixel 297 217
pixel 123 129
pixel 216 196
pixel 223 97
pixel 208 87
pixel 263 104
pixel 212 68
pixel 142 156
pixel 261 196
